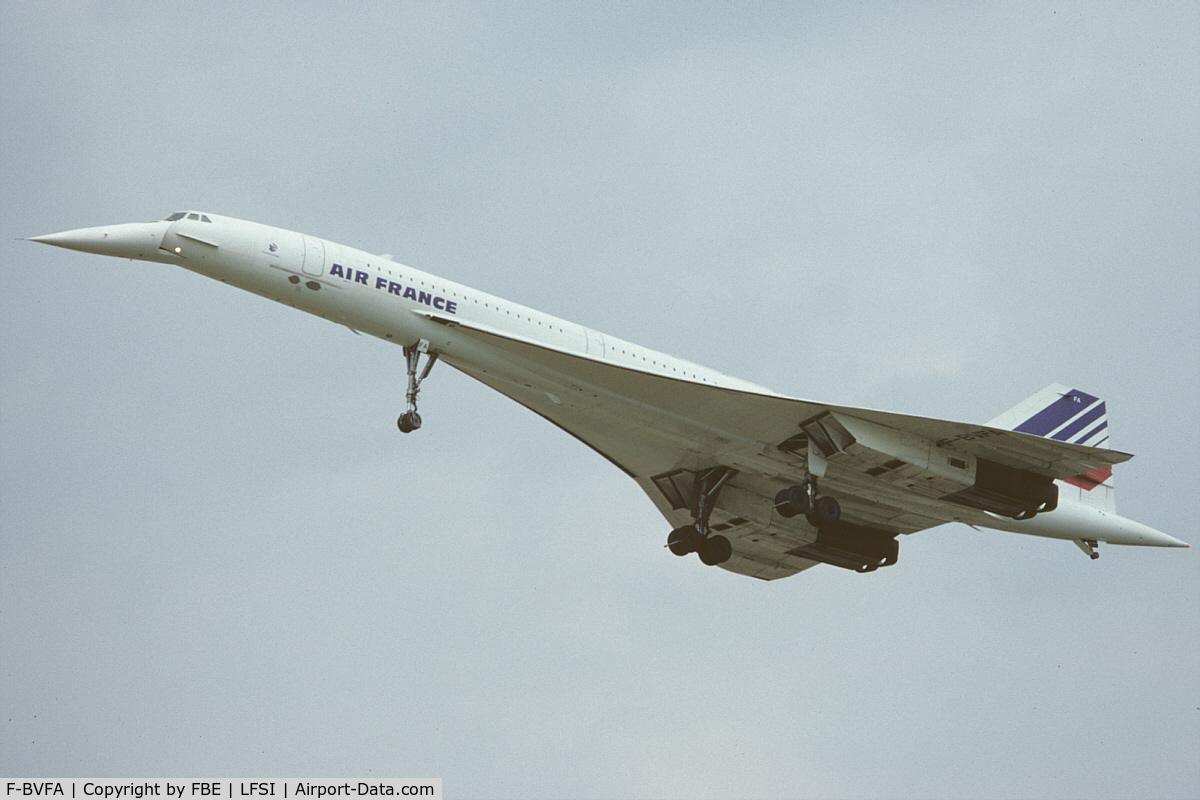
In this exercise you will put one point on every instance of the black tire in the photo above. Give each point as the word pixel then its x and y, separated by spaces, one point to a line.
pixel 783 505
pixel 791 501
pixel 826 510
pixel 409 421
pixel 715 550
pixel 682 541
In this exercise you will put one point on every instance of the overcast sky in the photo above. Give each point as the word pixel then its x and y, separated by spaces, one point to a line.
pixel 219 559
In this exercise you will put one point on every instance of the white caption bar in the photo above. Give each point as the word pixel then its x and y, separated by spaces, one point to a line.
pixel 220 790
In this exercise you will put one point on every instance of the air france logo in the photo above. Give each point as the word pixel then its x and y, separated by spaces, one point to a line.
pixel 273 247
pixel 436 301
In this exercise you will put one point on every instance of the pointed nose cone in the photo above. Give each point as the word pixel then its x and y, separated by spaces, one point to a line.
pixel 131 240
pixel 72 240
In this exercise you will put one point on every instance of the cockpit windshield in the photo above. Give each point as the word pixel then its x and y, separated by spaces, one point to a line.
pixel 190 215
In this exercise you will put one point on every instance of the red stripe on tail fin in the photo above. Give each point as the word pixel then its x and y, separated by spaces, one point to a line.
pixel 1090 480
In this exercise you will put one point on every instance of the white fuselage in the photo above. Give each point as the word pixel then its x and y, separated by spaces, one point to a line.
pixel 374 295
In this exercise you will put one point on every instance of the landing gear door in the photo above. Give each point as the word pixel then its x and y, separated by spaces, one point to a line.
pixel 314 256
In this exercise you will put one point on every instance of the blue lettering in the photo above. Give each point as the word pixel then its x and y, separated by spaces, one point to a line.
pixel 336 269
pixel 410 293
pixel 393 287
pixel 361 277
pixel 439 303
pixel 452 306
pixel 425 298
pixel 380 283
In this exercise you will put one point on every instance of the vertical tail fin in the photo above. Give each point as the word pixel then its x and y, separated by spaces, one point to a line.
pixel 1068 415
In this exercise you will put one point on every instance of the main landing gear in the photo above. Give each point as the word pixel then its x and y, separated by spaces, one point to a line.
pixel 820 510
pixel 842 544
pixel 410 420
pixel 695 538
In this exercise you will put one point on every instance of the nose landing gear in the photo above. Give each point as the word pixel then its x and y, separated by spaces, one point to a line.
pixel 410 420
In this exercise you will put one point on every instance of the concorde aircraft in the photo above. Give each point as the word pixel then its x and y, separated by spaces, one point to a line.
pixel 748 479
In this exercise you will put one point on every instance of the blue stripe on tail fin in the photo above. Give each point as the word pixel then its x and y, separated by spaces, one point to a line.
pixel 1067 415
pixel 1059 412
pixel 1073 416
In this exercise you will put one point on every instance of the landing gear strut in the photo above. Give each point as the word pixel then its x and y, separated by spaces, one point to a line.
pixel 410 420
pixel 695 538
pixel 1088 546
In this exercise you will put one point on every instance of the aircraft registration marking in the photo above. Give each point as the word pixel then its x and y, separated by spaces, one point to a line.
pixel 969 436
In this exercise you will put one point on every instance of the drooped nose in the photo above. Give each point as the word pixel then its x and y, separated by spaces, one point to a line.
pixel 130 240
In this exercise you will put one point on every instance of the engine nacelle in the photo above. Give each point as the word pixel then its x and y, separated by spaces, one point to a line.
pixel 918 465
pixel 849 546
pixel 1009 492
